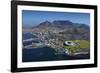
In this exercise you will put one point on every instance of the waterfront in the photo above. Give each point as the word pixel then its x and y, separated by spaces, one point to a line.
pixel 45 53
pixel 48 54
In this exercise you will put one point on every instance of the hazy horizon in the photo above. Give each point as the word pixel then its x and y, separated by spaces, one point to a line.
pixel 33 18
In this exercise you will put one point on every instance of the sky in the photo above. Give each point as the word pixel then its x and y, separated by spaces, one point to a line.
pixel 33 18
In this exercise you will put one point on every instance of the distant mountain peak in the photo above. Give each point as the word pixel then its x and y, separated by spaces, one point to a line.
pixel 66 21
pixel 63 21
pixel 46 23
pixel 61 24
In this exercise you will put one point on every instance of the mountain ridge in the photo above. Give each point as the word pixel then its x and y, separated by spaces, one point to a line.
pixel 61 23
pixel 63 28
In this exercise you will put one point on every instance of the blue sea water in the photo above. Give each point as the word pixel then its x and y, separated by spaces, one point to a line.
pixel 45 53
pixel 28 35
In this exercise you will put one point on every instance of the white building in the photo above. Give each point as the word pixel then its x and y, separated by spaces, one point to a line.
pixel 69 43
